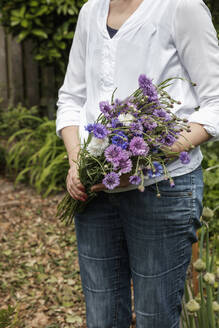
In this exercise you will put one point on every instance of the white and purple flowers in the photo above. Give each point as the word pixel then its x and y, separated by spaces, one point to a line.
pixel 128 135
pixel 131 137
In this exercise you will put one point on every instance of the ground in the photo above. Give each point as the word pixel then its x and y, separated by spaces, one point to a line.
pixel 38 261
pixel 39 271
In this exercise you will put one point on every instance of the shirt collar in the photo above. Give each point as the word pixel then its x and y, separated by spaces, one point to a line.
pixel 139 16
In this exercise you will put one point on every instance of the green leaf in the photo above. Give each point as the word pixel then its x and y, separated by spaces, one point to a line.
pixel 39 56
pixel 24 23
pixel 34 3
pixel 15 13
pixel 22 11
pixel 22 35
pixel 40 33
pixel 15 23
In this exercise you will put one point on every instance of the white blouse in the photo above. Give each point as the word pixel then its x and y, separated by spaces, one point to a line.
pixel 162 39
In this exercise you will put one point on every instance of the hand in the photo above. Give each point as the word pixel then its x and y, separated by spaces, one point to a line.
pixel 124 182
pixel 74 186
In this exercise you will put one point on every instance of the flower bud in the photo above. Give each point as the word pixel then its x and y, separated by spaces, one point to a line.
pixel 207 213
pixel 217 272
pixel 215 306
pixel 199 265
pixel 198 298
pixel 172 184
pixel 209 278
pixel 192 306
pixel 141 188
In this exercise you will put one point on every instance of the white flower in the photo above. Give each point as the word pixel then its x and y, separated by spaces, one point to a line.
pixel 209 278
pixel 126 119
pixel 215 306
pixel 97 146
pixel 207 213
pixel 192 306
pixel 199 265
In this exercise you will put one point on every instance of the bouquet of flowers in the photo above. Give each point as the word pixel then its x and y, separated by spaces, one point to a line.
pixel 129 137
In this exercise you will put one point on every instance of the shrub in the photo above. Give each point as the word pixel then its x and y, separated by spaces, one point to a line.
pixel 16 118
pixel 39 157
pixel 50 24
pixel 33 153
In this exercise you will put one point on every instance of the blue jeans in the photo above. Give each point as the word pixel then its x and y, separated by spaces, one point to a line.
pixel 136 235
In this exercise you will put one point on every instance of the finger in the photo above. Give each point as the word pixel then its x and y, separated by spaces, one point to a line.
pixel 80 196
pixel 78 183
pixel 77 187
pixel 77 194
pixel 98 187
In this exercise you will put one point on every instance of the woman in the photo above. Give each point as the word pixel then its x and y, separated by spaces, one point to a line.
pixel 128 234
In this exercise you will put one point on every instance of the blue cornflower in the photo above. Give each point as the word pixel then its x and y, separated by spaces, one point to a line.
pixel 135 179
pixel 100 131
pixel 89 128
pixel 120 140
pixel 158 170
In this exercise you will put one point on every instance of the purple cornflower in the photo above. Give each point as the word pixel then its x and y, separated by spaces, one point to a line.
pixel 169 140
pixel 105 108
pixel 138 146
pixel 100 131
pixel 150 125
pixel 184 157
pixel 135 179
pixel 120 140
pixel 159 112
pixel 158 170
pixel 113 153
pixel 124 165
pixel 117 102
pixel 136 128
pixel 111 180
pixel 148 88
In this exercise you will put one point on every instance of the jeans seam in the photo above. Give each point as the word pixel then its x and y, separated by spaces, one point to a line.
pixel 98 259
pixel 117 294
pixel 100 290
pixel 161 274
pixel 193 195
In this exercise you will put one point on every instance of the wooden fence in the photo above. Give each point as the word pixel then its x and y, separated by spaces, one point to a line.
pixel 22 79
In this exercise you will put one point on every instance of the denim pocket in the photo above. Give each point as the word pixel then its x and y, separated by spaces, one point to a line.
pixel 183 187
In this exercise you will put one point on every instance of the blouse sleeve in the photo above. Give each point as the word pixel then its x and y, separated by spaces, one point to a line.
pixel 197 45
pixel 72 94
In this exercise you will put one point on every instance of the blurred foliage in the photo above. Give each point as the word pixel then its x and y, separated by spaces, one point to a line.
pixel 50 24
pixel 214 8
pixel 15 119
pixel 210 165
pixel 202 310
pixel 33 152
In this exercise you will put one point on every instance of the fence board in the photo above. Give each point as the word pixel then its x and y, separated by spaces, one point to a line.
pixel 15 65
pixel 31 76
pixel 22 79
pixel 3 70
pixel 48 90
